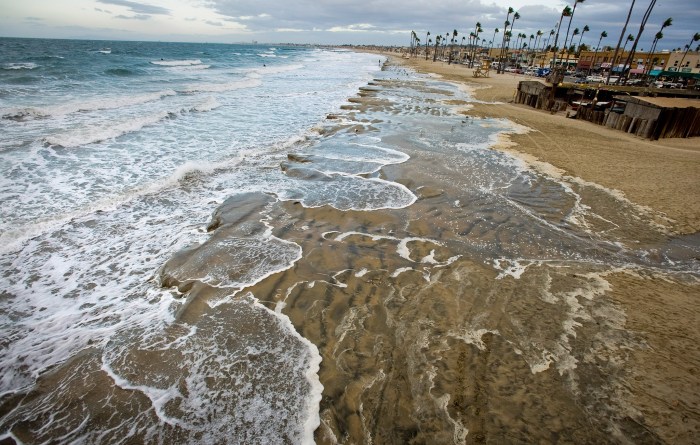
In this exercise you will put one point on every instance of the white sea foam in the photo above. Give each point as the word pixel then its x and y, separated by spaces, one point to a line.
pixel 20 66
pixel 92 134
pixel 86 105
pixel 312 401
pixel 209 104
pixel 185 68
pixel 277 69
pixel 241 262
pixel 349 192
pixel 189 62
pixel 100 222
pixel 222 87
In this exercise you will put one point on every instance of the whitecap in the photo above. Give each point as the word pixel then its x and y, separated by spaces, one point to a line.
pixel 20 66
pixel 84 105
pixel 99 133
pixel 222 87
pixel 189 62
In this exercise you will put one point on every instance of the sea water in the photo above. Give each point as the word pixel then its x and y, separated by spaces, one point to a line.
pixel 113 156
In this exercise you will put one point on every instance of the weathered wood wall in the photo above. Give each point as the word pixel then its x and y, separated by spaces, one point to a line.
pixel 642 119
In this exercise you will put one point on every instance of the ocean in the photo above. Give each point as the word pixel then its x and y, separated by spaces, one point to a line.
pixel 208 243
pixel 113 157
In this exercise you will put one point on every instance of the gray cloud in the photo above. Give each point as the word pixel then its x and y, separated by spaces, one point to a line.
pixel 133 17
pixel 138 8
pixel 384 21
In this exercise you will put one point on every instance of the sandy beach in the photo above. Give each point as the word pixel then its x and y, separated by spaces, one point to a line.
pixel 662 175
pixel 442 344
pixel 633 343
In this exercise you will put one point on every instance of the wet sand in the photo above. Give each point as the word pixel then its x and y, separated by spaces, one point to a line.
pixel 429 336
pixel 662 175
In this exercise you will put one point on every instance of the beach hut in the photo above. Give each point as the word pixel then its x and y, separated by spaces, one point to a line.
pixel 655 117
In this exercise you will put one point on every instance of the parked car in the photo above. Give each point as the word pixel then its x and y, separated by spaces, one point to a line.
pixel 673 85
pixel 634 82
pixel 543 72
pixel 666 84
pixel 595 79
pixel 532 71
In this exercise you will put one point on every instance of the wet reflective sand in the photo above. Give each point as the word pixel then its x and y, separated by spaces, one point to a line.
pixel 503 306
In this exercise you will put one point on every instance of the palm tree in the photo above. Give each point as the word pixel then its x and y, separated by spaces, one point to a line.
pixel 516 16
pixel 444 44
pixel 566 12
pixel 452 47
pixel 585 29
pixel 571 19
pixel 622 35
pixel 569 50
pixel 503 45
pixel 595 56
pixel 492 40
pixel 643 23
pixel 549 37
pixel 668 22
pixel 477 30
pixel 509 36
pixel 437 43
pixel 695 38
pixel 529 48
pixel 659 35
pixel 427 42
pixel 630 38
pixel 538 36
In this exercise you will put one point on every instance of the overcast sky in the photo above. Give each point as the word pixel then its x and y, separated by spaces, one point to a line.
pixel 386 22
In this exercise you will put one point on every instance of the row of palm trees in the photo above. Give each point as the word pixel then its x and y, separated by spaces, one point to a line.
pixel 475 44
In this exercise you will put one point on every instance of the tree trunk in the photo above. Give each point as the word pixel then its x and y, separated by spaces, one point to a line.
pixel 622 35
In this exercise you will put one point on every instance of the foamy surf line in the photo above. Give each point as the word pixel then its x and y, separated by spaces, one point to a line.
pixel 87 105
pixel 99 133
pixel 189 62
pixel 110 240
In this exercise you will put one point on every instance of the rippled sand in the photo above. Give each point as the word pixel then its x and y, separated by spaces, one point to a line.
pixel 529 308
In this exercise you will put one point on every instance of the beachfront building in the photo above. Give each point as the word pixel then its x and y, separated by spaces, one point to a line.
pixel 603 60
pixel 681 62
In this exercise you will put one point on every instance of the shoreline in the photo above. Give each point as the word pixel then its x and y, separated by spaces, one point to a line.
pixel 655 175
